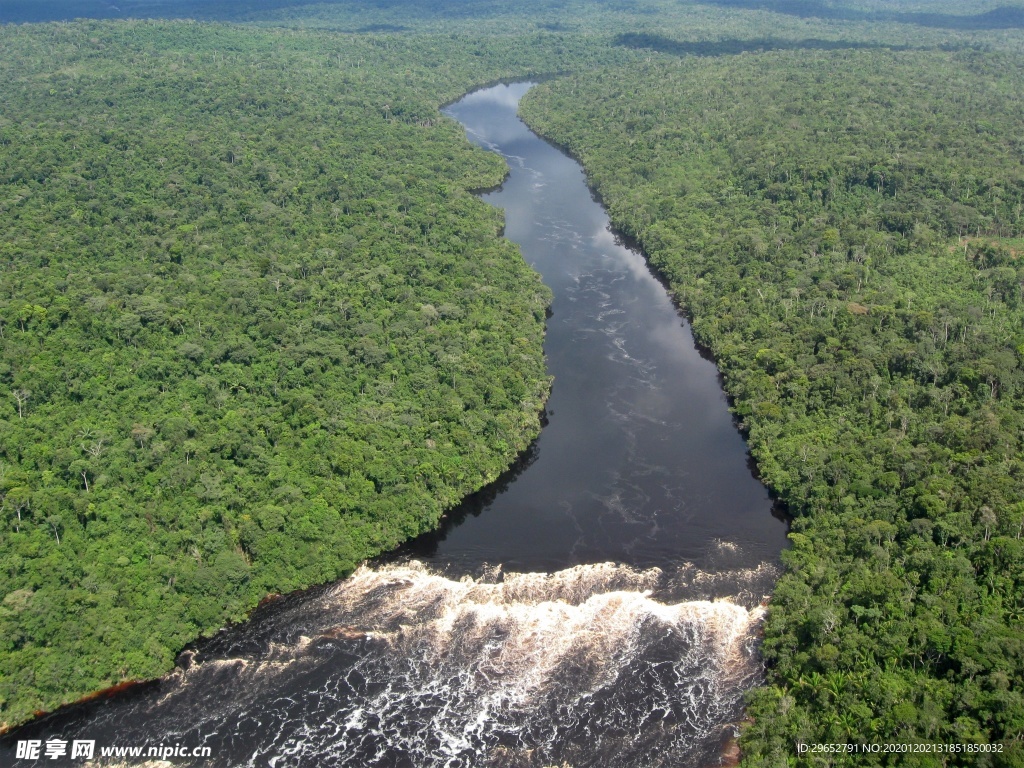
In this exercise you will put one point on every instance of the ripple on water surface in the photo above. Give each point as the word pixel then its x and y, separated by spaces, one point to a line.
pixel 636 551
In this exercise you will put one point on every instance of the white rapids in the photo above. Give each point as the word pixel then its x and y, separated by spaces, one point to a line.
pixel 400 665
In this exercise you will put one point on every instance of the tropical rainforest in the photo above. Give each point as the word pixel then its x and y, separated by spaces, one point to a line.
pixel 255 328
pixel 845 229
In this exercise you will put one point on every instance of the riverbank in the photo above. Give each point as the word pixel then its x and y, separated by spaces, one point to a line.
pixel 626 470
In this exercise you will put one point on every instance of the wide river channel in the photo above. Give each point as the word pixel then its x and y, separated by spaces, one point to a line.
pixel 599 606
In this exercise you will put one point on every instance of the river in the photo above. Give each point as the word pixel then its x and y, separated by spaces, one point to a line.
pixel 599 606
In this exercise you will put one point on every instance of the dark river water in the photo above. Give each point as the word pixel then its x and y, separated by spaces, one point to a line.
pixel 599 606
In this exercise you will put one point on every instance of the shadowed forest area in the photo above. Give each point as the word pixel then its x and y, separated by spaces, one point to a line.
pixel 733 47
pixel 1003 17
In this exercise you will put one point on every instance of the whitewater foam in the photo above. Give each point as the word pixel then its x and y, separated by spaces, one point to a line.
pixel 591 665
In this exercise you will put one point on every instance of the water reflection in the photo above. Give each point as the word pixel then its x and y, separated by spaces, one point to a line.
pixel 598 606
pixel 641 462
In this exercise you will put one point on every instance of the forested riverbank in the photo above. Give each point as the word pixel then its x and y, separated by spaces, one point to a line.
pixel 811 212
pixel 254 330
pixel 639 480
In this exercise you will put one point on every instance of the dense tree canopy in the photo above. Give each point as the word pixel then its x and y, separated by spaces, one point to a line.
pixel 844 229
pixel 254 329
